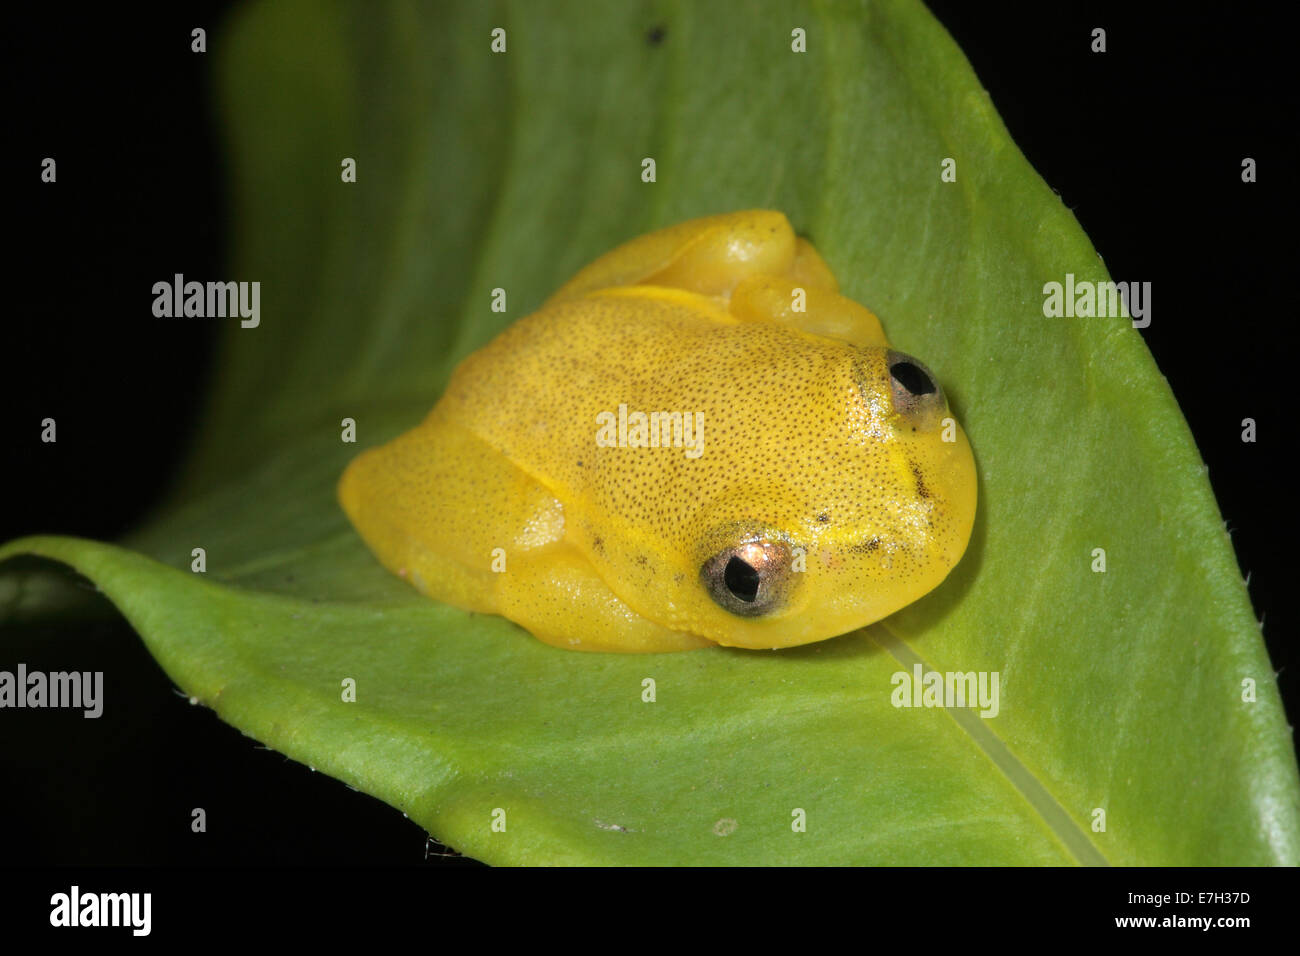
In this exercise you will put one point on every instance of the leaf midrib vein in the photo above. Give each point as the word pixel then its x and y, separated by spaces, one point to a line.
pixel 1040 800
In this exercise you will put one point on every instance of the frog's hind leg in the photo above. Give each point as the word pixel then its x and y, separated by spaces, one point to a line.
pixel 436 503
pixel 750 261
pixel 708 255
pixel 453 516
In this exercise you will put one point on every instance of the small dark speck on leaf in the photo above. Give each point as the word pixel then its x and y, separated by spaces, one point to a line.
pixel 655 35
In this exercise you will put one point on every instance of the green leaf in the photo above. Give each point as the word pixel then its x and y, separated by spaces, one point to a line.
pixel 1119 690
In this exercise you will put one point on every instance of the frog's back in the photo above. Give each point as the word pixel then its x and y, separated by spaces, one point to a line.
pixel 718 395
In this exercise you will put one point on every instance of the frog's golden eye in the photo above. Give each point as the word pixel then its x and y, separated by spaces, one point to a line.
pixel 750 578
pixel 916 392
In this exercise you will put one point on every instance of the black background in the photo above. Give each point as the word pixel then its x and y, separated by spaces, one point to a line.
pixel 1144 143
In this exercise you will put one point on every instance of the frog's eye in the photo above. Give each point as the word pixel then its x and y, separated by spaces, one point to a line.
pixel 916 392
pixel 750 578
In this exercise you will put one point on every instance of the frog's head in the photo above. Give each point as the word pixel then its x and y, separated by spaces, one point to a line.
pixel 859 498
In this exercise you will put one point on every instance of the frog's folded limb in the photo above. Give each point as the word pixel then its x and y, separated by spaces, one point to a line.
pixel 432 505
pixel 708 256
pixel 807 307
pixel 810 269
pixel 749 261
pixel 557 596
pixel 448 512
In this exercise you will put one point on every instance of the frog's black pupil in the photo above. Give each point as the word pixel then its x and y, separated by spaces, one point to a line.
pixel 741 580
pixel 911 378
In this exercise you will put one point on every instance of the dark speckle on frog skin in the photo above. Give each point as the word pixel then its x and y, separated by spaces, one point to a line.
pixel 921 490
pixel 655 35
pixel 862 547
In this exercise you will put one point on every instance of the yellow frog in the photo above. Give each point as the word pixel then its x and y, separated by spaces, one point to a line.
pixel 695 441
